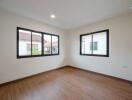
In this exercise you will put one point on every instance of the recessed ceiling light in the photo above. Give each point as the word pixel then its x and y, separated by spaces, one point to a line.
pixel 52 16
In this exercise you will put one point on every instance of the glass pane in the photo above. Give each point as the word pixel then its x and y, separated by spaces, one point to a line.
pixel 86 44
pixel 24 43
pixel 99 43
pixel 47 44
pixel 94 45
pixel 36 43
pixel 54 44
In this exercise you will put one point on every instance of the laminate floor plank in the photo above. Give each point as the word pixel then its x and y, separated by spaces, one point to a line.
pixel 67 84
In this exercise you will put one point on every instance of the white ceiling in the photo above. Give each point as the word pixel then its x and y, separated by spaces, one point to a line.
pixel 69 13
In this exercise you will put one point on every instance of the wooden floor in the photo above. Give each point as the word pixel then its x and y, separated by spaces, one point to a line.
pixel 67 84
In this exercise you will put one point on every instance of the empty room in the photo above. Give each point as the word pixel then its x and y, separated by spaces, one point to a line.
pixel 65 49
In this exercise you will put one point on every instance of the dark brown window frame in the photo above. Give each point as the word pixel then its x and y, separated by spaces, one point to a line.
pixel 97 32
pixel 42 33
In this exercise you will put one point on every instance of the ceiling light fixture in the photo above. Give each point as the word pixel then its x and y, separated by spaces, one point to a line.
pixel 52 16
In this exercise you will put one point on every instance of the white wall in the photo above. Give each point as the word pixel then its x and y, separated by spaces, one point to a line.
pixel 12 68
pixel 119 63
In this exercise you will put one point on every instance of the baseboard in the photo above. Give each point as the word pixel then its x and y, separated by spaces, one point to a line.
pixel 108 76
pixel 14 81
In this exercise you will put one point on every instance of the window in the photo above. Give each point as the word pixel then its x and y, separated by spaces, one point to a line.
pixel 32 43
pixel 47 44
pixel 55 45
pixel 24 42
pixel 95 43
pixel 36 43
